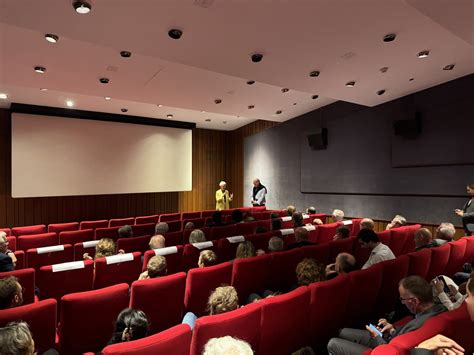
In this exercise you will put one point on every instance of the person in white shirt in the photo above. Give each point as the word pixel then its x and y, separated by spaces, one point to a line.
pixel 380 252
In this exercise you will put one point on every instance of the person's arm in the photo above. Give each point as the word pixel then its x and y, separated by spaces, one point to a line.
pixel 443 297
pixel 12 256
pixel 231 196
pixel 440 343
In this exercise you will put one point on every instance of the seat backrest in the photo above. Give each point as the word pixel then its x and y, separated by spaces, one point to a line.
pixel 115 269
pixel 251 275
pixel 319 252
pixel 456 257
pixel 223 232
pixel 170 217
pixel 28 230
pixel 11 243
pixel 191 254
pixel 197 222
pixel 320 216
pixel 207 213
pixel 469 255
pixel 161 299
pixel 74 237
pixel 107 232
pixel 327 231
pixel 439 260
pixel 398 237
pixel 280 314
pixel 26 278
pixel 341 246
pixel 361 254
pixel 282 270
pixel 245 228
pixel 266 223
pixel 41 319
pixel 187 232
pixel 173 256
pixel 55 281
pixel 56 254
pixel 79 311
pixel 355 226
pixel 147 219
pixel 260 241
pixel 385 236
pixel 173 238
pixel 140 230
pixel 419 262
pixel 242 323
pixel 393 271
pixel 130 245
pixel 176 340
pixel 31 241
pixel 85 247
pixel 102 223
pixel 260 216
pixel 174 226
pixel 410 238
pixel 227 247
pixel 200 283
pixel 120 222
pixel 63 227
pixel 258 209
pixel 190 215
pixel 20 259
pixel 8 231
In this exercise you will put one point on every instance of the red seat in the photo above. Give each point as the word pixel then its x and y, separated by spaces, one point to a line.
pixel 173 238
pixel 41 319
pixel 207 213
pixel 174 226
pixel 385 237
pixel 260 216
pixel 37 229
pixel 266 223
pixel 320 216
pixel 197 222
pixel 361 254
pixel 242 323
pixel 355 226
pixel 190 215
pixel 170 217
pixel 319 252
pixel 115 269
pixel 31 241
pixel 147 219
pixel 120 222
pixel 8 231
pixel 130 245
pixel 109 232
pixel 63 227
pixel 176 340
pixel 200 283
pixel 258 209
pixel 245 228
pixel 223 232
pixel 161 299
pixel 251 275
pixel 327 231
pixel 280 314
pixel 85 247
pixel 341 246
pixel 439 260
pixel 191 254
pixel 260 241
pixel 26 278
pixel 456 257
pixel 393 271
pixel 398 239
pixel 140 230
pixel 74 237
pixel 20 259
pixel 287 222
pixel 283 269
pixel 419 262
pixel 410 238
pixel 172 254
pixel 469 255
pixel 11 243
pixel 55 254
pixel 227 247
pixel 87 318
pixel 102 223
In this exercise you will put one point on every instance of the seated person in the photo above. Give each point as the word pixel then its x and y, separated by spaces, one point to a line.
pixel 416 294
pixel 237 216
pixel 162 228
pixel 344 264
pixel 301 239
pixel 309 271
pixel 11 293
pixel 342 232
pixel 156 267
pixel 397 221
pixel 297 218
pixel 260 230
pixel 15 338
pixel 311 210
pixel 445 233
pixel 367 238
pixel 337 215
pixel 157 242
pixel 7 257
pixel 227 345
pixel 367 223
pixel 131 324
pixel 276 224
pixel 275 244
pixel 197 236
pixel 105 247
pixel 274 215
pixel 290 210
pixel 451 299
pixel 207 258
pixel 245 250
pixel 424 239
pixel 125 231
pixel 189 226
pixel 216 220
pixel 317 222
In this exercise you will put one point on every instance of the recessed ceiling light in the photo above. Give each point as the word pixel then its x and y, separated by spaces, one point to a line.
pixel 51 38
pixel 279 112
pixel 250 82
pixel 294 103
pixel 69 103
pixel 125 54
pixel 169 115
pixel 285 90
pixel 314 73
pixel 82 7
pixel 43 89
pixel 40 70
pixel 314 97
pixel 389 37
pixel 423 54
pixel 383 70
pixel 175 33
pixel 108 98
pixel 207 120
pixel 203 111
pixel 124 109
pixel 3 96
pixel 224 122
pixel 381 92
pixel 350 84
pixel 159 105
pixel 449 67
pixel 217 101
pixel 250 107
pixel 411 79
pixel 104 80
pixel 256 57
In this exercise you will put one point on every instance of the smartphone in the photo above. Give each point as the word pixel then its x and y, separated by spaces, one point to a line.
pixel 375 329
pixel 445 288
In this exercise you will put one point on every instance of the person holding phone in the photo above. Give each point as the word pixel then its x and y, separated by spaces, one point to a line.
pixel 467 212
pixel 447 292
pixel 223 197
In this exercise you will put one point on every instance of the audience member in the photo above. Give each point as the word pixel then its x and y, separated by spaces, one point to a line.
pixel 276 224
pixel 216 220
pixel 227 345
pixel 301 238
pixel 105 247
pixel 309 271
pixel 7 257
pixel 290 210
pixel 416 294
pixel 367 223
pixel 157 242
pixel 275 244
pixel 16 339
pixel 297 218
pixel 317 221
pixel 397 221
pixel 156 267
pixel 342 232
pixel 237 216
pixel 344 264
pixel 207 258
pixel 311 210
pixel 451 299
pixel 125 231
pixel 131 324
pixel 445 233
pixel 274 215
pixel 162 228
pixel 197 236
pixel 260 230
pixel 189 226
pixel 245 250
pixel 11 293
pixel 424 239
pixel 337 215
pixel 379 252
pixel 249 218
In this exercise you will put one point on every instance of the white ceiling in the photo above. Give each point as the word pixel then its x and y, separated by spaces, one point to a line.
pixel 340 38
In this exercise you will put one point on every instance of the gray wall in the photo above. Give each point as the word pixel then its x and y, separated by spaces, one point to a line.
pixel 360 171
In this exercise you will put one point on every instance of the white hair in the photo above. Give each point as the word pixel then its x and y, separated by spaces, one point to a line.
pixel 222 183
pixel 399 219
pixel 446 230
pixel 338 215
pixel 3 235
pixel 227 345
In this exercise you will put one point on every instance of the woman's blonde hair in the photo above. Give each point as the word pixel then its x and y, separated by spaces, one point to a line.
pixel 105 247
pixel 245 250
pixel 223 299
pixel 16 338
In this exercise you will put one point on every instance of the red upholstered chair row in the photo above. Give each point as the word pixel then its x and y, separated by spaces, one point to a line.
pixel 63 227
pixel 56 254
pixel 37 229
pixel 140 230
pixel 117 269
pixel 119 222
pixel 25 242
pixel 74 237
pixel 147 219
pixel 102 223
pixel 130 245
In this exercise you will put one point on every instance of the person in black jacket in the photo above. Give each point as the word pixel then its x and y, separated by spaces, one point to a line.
pixel 467 212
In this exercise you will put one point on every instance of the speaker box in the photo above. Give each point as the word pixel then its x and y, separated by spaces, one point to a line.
pixel 409 129
pixel 318 140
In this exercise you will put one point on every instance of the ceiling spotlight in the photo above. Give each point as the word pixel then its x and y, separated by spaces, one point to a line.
pixel 250 82
pixel 314 73
pixel 124 109
pixel 107 98
pixel 174 33
pixel 160 105
pixel 3 96
pixel 279 112
pixel 203 111
pixel 69 103
pixel 82 7
pixel 169 115
pixel 285 90
pixel 217 101
pixel 224 122
pixel 207 120
pixel 383 70
pixel 294 103
pixel 251 107
pixel 51 38
pixel 423 54
pixel 390 37
pixel 256 57
pixel 40 70
pixel 350 84
pixel 104 80
pixel 411 79
pixel 43 89
pixel 380 92
pixel 314 97
pixel 126 54
pixel 449 67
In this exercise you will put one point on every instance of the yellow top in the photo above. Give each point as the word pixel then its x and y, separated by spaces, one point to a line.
pixel 222 200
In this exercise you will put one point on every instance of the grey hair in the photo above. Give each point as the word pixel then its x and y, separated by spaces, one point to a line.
pixel 446 230
pixel 275 244
pixel 197 236
pixel 16 339
pixel 338 215
pixel 227 345
pixel 162 228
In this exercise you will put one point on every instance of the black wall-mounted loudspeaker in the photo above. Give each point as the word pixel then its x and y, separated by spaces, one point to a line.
pixel 409 129
pixel 318 140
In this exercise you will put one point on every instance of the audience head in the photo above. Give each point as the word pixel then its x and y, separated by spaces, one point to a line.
pixel 311 210
pixel 367 223
pixel 222 185
pixel 276 224
pixel 217 217
pixel 157 242
pixel 397 221
pixel 337 215
pixel 423 237
pixel 290 210
pixel 11 293
pixel 105 247
pixel 445 231
pixel 260 229
pixel 207 258
pixel 131 324
pixel 245 250
pixel 197 236
pixel 317 221
pixel 162 228
pixel 368 238
pixel 343 232
pixel 301 234
pixel 189 226
pixel 125 231
pixel 223 299
pixel 227 345
pixel 470 189
pixel 274 215
pixel 297 218
pixel 3 242
pixel 345 263
pixel 16 339
pixel 415 293
pixel 275 244
pixel 237 216
pixel 156 266
pixel 309 271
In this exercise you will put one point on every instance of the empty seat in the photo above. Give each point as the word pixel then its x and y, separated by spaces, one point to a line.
pixel 130 245
pixel 74 237
pixel 393 271
pixel 36 229
pixel 398 239
pixel 85 247
pixel 109 232
pixel 355 226
pixel 55 254
pixel 147 219
pixel 245 228
pixel 266 223
pixel 260 216
pixel 140 230
pixel 174 226
pixel 41 319
pixel 31 241
pixel 419 262
pixel 282 270
pixel 469 255
pixel 102 223
pixel 227 247
pixel 63 227
pixel 170 217
pixel 223 232
pixel 26 278
pixel 119 222
pixel 115 269
pixel 207 213
pixel 172 254
pixel 326 232
pixel 242 323
pixel 190 215
pixel 161 299
pixel 176 340
pixel 319 252
pixel 173 238
pixel 87 318
pixel 341 246
pixel 260 241
pixel 200 283
pixel 191 254
pixel 456 257
pixel 251 275
pixel 439 260
pixel 20 259
pixel 258 209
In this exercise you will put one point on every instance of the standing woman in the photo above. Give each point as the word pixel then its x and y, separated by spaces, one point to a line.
pixel 258 193
pixel 223 197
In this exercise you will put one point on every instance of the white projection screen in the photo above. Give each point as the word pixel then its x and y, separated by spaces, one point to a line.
pixel 56 156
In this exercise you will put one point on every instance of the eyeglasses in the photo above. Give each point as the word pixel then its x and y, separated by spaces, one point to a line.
pixel 406 299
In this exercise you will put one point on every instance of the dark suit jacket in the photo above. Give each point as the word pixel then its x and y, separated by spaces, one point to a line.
pixel 468 218
pixel 6 263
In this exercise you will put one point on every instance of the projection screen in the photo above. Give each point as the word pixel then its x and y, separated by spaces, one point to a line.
pixel 56 156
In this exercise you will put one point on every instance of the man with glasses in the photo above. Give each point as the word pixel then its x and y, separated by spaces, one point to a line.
pixel 7 258
pixel 415 294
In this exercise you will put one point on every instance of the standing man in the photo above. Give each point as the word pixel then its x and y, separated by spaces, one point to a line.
pixel 258 193
pixel 467 212
pixel 223 197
